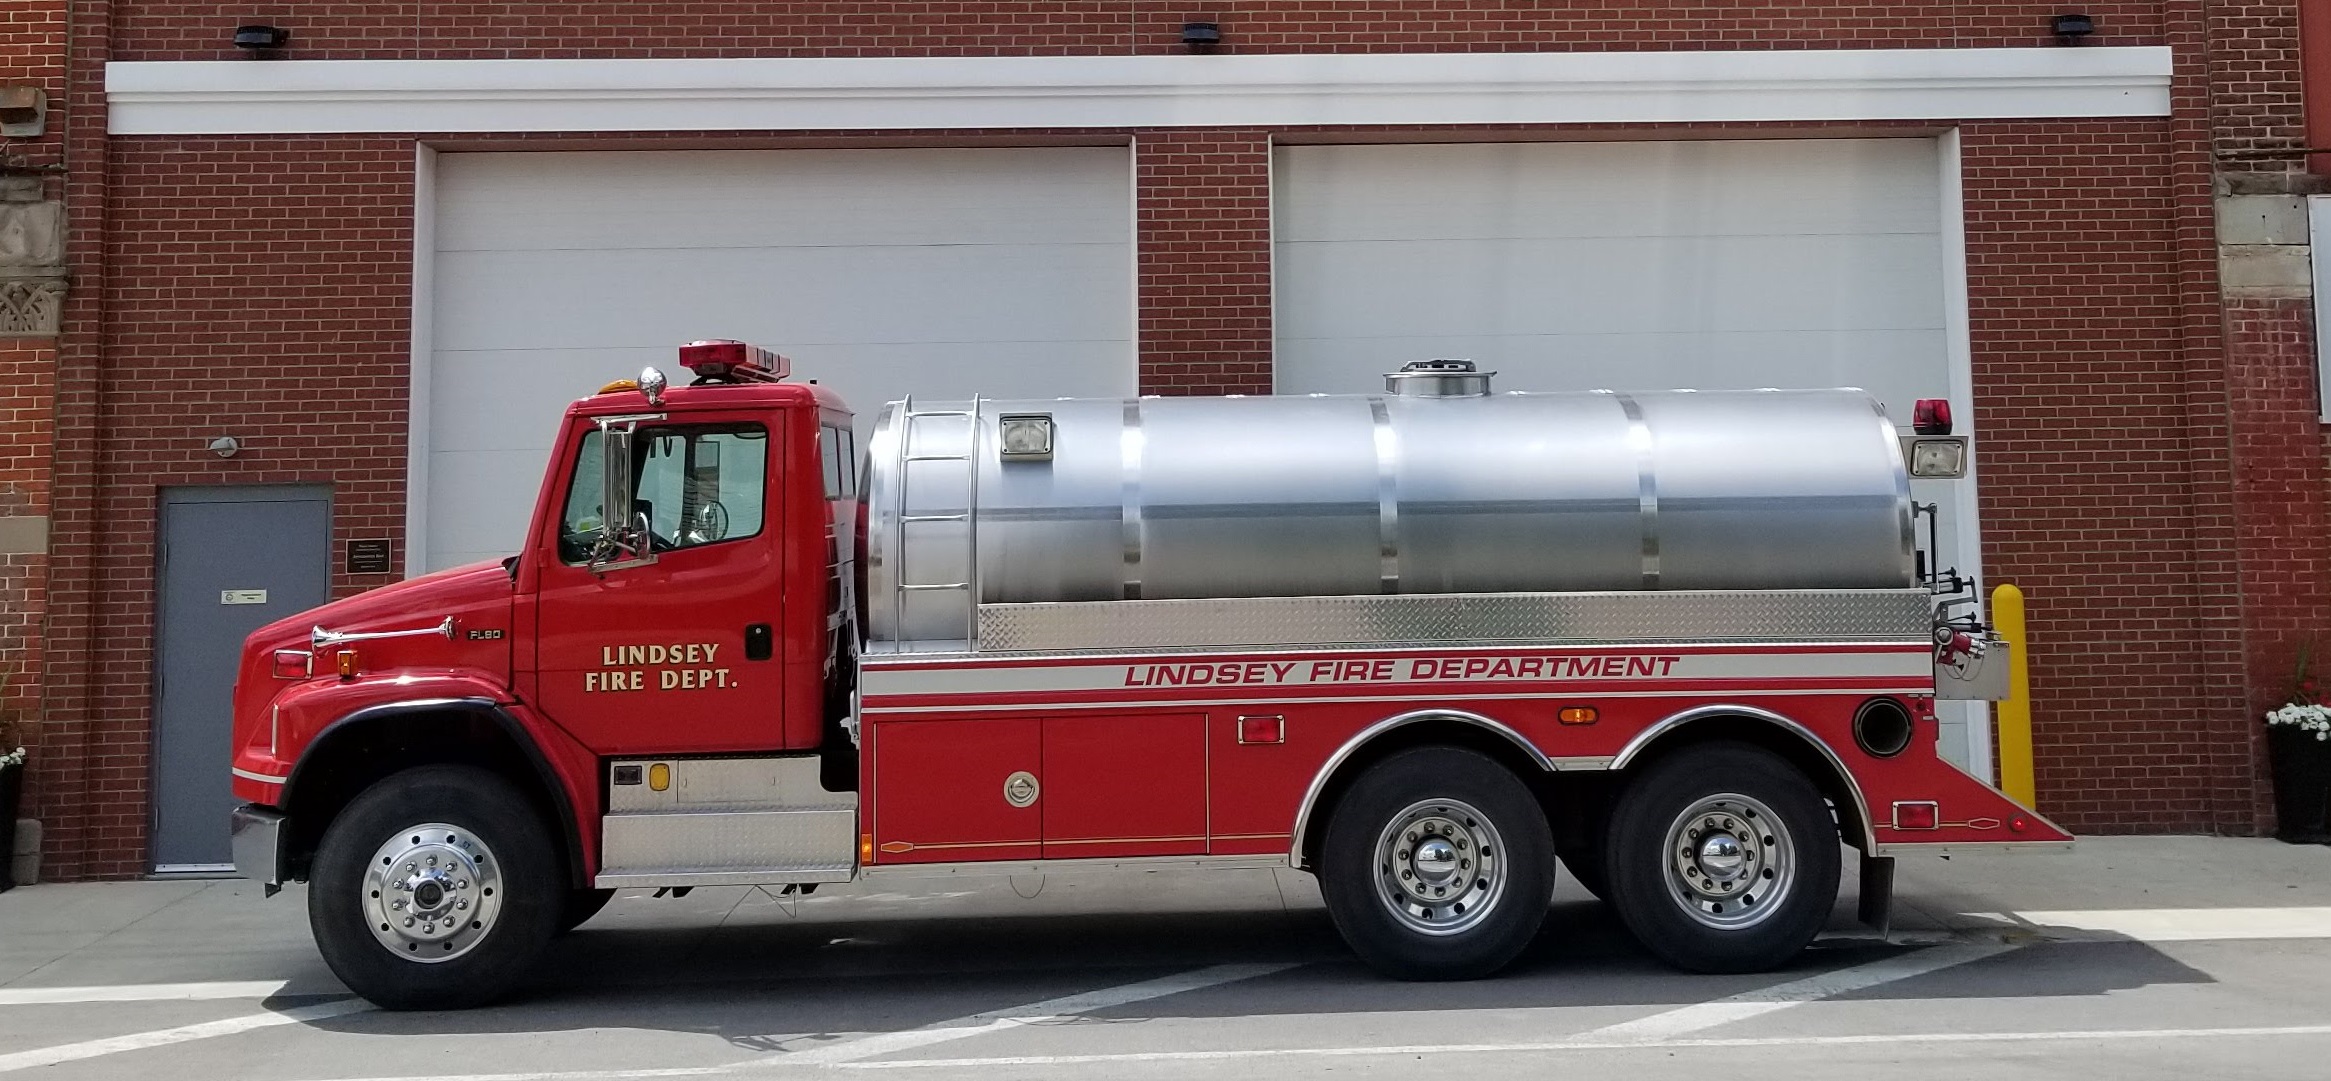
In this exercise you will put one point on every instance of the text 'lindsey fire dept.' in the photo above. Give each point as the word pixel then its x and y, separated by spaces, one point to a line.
pixel 686 667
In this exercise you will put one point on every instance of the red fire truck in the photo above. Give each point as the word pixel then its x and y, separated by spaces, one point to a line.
pixel 1418 643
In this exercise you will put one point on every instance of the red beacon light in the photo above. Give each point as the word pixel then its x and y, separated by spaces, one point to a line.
pixel 1931 416
pixel 722 360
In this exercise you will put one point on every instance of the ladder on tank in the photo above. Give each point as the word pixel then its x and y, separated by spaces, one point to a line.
pixel 908 454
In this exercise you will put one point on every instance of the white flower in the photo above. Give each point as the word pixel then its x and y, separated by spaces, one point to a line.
pixel 2315 719
pixel 13 758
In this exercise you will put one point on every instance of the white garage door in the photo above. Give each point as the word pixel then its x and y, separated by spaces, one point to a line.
pixel 1006 272
pixel 1631 266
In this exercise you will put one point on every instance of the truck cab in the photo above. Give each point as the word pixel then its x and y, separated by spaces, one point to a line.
pixel 649 613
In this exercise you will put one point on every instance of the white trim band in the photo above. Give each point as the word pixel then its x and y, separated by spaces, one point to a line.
pixel 262 778
pixel 241 97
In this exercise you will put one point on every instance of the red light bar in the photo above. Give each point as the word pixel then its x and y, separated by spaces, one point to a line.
pixel 1931 416
pixel 726 360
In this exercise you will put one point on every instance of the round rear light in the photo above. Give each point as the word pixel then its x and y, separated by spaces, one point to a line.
pixel 1882 727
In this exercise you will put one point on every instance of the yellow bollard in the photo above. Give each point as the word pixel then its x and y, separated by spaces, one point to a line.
pixel 2015 712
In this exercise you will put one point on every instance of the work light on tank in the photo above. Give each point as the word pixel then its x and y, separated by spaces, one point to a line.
pixel 1938 458
pixel 1025 437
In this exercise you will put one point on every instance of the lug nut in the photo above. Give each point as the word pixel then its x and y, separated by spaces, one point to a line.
pixel 408 921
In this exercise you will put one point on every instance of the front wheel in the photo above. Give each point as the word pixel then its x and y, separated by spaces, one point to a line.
pixel 435 889
pixel 1722 858
pixel 1438 865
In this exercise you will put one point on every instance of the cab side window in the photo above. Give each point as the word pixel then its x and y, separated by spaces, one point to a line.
pixel 837 450
pixel 695 484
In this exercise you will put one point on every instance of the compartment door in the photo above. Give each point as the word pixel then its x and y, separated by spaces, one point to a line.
pixel 1124 785
pixel 944 791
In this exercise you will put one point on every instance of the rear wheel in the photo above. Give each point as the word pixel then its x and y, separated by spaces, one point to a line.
pixel 1437 865
pixel 435 889
pixel 1723 858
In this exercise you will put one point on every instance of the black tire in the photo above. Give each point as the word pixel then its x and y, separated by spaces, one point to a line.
pixel 1470 803
pixel 497 852
pixel 581 906
pixel 1699 912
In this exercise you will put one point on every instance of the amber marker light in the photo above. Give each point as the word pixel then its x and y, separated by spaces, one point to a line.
pixel 660 776
pixel 347 664
pixel 1579 715
pixel 865 848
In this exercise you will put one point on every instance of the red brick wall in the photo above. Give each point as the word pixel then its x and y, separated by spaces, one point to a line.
pixel 32 51
pixel 2092 435
pixel 165 30
pixel 1203 258
pixel 27 371
pixel 2256 86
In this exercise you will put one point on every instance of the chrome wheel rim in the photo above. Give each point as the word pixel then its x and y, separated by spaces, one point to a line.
pixel 1440 867
pixel 432 893
pixel 1730 861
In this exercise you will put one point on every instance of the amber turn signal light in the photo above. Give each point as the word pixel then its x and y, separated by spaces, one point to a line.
pixel 1579 715
pixel 347 664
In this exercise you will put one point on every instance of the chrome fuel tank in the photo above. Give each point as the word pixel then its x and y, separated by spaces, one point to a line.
pixel 1332 495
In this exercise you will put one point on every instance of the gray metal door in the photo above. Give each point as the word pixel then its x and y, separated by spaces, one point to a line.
pixel 232 561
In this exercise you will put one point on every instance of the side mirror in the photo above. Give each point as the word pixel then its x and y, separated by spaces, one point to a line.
pixel 623 529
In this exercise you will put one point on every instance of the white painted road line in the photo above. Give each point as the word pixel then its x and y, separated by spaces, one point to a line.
pixel 2189 924
pixel 1663 1047
pixel 138 1041
pixel 141 992
pixel 1051 1009
pixel 1724 1011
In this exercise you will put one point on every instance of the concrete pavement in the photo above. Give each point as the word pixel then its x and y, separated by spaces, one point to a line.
pixel 2130 957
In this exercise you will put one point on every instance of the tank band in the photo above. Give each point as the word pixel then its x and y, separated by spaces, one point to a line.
pixel 1129 444
pixel 1387 498
pixel 1646 487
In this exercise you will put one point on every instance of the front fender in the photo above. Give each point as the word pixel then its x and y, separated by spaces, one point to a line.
pixel 302 712
pixel 306 720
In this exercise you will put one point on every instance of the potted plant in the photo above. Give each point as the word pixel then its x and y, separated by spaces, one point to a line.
pixel 12 756
pixel 2298 745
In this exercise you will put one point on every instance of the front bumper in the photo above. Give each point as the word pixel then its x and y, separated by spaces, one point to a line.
pixel 258 843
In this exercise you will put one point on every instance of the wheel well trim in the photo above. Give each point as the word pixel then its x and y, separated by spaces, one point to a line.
pixel 561 803
pixel 1353 746
pixel 1644 739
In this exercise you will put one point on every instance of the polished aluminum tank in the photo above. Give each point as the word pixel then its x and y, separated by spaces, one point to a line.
pixel 1429 488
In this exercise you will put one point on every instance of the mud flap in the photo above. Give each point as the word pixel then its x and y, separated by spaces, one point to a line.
pixel 1876 907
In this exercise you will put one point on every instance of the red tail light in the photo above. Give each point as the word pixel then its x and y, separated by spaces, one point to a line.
pixel 293 663
pixel 1917 815
pixel 1931 416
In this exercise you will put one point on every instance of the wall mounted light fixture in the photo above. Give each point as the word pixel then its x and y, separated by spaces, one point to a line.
pixel 1201 37
pixel 2071 28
